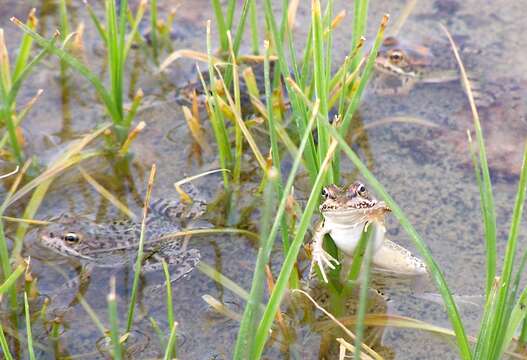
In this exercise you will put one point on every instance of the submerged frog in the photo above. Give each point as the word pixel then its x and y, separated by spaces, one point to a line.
pixel 115 244
pixel 346 212
pixel 399 67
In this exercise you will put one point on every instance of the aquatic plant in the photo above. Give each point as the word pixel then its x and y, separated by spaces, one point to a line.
pixel 312 82
pixel 505 308
pixel 313 91
pixel 310 98
pixel 11 80
pixel 118 43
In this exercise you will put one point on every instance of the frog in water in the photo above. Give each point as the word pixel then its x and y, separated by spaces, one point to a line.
pixel 115 244
pixel 399 67
pixel 346 212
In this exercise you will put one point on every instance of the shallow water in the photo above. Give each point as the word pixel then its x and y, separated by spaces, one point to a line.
pixel 427 170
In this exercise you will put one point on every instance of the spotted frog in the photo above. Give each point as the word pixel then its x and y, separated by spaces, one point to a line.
pixel 346 212
pixel 399 67
pixel 115 244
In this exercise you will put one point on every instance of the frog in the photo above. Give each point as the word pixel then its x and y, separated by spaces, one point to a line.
pixel 400 66
pixel 90 244
pixel 348 211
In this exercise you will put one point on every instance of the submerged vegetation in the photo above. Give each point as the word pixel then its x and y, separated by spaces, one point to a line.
pixel 304 110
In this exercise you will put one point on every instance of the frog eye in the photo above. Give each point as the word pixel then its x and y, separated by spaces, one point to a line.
pixel 325 192
pixel 361 190
pixel 396 56
pixel 71 238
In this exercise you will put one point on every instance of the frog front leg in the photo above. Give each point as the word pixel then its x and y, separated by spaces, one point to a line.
pixel 320 256
pixel 81 282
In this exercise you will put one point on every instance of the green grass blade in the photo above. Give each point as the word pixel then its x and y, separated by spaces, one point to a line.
pixel 98 25
pixel 360 17
pixel 134 28
pixel 114 58
pixel 366 74
pixel 255 41
pixel 30 350
pixel 216 118
pixel 64 25
pixel 320 80
pixel 240 30
pixel 8 117
pixel 483 343
pixel 273 138
pixel 24 73
pixel 422 248
pixel 25 46
pixel 246 332
pixel 235 47
pixel 5 347
pixel 160 336
pixel 517 317
pixel 231 7
pixel 170 303
pixel 12 278
pixel 170 350
pixel 512 243
pixel 139 259
pixel 363 302
pixel 114 321
pixel 220 23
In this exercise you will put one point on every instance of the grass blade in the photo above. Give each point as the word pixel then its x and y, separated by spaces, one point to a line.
pixel 222 28
pixel 503 320
pixel 31 351
pixel 114 321
pixel 139 259
pixel 363 301
pixel 170 304
pixel 5 347
pixel 170 350
pixel 245 337
pixel 12 278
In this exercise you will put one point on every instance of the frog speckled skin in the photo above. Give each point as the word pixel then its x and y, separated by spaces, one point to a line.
pixel 115 244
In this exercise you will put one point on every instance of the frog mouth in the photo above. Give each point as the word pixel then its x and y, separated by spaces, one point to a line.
pixel 363 207
pixel 384 66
